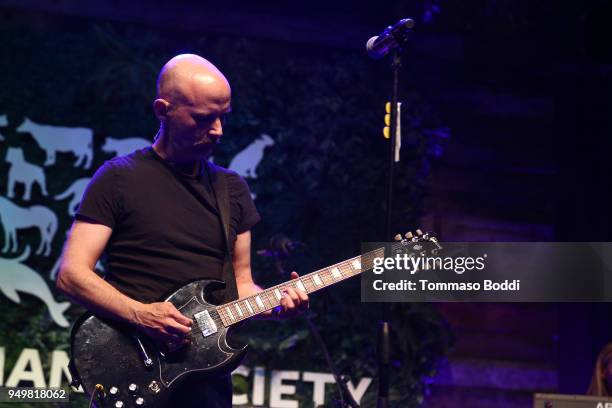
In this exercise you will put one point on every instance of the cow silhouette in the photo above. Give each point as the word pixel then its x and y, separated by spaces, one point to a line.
pixel 121 147
pixel 17 277
pixel 14 218
pixel 246 161
pixel 23 172
pixel 75 192
pixel 54 139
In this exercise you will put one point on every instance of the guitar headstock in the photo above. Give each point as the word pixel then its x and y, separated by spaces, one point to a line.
pixel 418 242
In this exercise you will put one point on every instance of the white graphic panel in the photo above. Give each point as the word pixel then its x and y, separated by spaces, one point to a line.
pixel 75 193
pixel 121 147
pixel 23 172
pixel 246 161
pixel 54 139
pixel 16 277
pixel 14 218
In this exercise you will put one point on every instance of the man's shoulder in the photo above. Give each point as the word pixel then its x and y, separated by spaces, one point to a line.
pixel 128 162
pixel 231 175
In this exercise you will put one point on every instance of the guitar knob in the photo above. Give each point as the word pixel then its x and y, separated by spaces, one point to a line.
pixel 139 401
pixel 154 387
pixel 113 390
pixel 119 404
pixel 132 388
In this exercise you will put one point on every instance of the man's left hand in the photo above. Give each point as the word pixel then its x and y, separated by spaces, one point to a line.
pixel 294 302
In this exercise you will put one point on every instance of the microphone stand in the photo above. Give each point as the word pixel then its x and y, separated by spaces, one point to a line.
pixel 280 253
pixel 384 346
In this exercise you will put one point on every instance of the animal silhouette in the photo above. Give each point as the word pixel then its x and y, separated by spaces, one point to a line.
pixel 23 172
pixel 54 139
pixel 75 191
pixel 17 277
pixel 246 161
pixel 3 122
pixel 121 147
pixel 14 218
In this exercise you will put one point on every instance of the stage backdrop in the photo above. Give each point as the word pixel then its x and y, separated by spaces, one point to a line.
pixel 305 132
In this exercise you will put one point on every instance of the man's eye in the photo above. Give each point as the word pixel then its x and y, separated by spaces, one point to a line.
pixel 204 119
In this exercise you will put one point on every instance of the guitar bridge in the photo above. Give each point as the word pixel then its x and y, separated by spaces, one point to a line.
pixel 205 323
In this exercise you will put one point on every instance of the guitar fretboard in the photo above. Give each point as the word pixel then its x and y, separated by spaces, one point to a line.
pixel 241 309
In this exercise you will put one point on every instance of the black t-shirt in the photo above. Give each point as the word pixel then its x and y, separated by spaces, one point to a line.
pixel 163 235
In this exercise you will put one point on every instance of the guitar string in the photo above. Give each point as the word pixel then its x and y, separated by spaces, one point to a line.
pixel 324 272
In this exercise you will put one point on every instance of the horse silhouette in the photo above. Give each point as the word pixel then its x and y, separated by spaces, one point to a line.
pixel 14 218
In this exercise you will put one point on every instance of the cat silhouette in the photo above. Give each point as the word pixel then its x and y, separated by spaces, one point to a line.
pixel 246 161
pixel 75 191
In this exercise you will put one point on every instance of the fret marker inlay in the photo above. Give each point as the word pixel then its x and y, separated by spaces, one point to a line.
pixel 336 273
pixel 259 302
pixel 239 310
pixel 248 306
pixel 317 279
pixel 278 294
pixel 300 286
pixel 229 312
pixel 357 264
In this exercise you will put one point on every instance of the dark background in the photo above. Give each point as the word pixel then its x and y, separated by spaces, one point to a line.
pixel 506 138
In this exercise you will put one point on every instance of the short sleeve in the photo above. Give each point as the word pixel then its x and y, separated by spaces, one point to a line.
pixel 244 211
pixel 100 202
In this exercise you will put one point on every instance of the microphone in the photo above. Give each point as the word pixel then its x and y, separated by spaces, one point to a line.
pixel 380 45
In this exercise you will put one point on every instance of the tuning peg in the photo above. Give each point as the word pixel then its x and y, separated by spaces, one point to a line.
pixel 419 232
pixel 409 235
pixel 398 237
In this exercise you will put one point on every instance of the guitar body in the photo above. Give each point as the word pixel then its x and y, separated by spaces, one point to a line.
pixel 137 371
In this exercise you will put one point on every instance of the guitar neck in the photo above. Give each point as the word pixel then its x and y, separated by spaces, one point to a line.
pixel 244 308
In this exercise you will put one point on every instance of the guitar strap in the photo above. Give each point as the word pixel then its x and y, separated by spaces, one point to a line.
pixel 218 182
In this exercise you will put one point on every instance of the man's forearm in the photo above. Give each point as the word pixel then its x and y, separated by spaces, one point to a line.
pixel 85 287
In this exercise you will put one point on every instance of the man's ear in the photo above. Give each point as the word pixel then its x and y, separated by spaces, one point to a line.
pixel 160 107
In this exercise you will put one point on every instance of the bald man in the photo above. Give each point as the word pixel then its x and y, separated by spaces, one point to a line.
pixel 155 214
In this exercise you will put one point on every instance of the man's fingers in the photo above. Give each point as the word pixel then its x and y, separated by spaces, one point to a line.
pixel 291 294
pixel 177 328
pixel 178 316
pixel 286 302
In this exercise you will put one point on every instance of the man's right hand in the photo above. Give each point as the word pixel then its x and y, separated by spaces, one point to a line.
pixel 162 321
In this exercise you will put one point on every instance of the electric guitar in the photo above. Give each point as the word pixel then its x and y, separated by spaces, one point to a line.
pixel 125 369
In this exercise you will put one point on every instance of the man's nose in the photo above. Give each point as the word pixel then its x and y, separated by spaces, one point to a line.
pixel 216 128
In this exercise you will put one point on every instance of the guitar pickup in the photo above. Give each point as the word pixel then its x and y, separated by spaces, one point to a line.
pixel 206 323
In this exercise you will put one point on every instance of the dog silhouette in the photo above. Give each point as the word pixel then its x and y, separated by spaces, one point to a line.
pixel 246 161
pixel 53 139
pixel 14 218
pixel 121 147
pixel 75 191
pixel 23 172
pixel 17 277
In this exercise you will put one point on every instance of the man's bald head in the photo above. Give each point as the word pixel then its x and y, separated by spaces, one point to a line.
pixel 193 98
pixel 185 75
